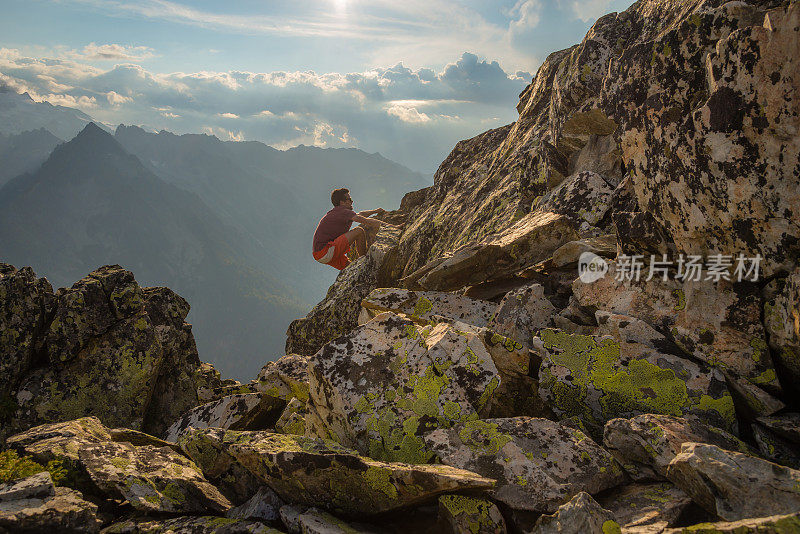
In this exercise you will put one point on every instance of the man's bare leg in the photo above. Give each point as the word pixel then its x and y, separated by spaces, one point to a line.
pixel 358 235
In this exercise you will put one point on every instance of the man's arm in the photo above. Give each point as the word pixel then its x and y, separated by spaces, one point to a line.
pixel 372 222
pixel 369 213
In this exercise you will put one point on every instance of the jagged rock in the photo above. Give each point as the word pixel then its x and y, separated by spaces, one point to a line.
pixel 322 473
pixel 776 524
pixel 250 411
pixel 646 444
pixel 530 240
pixel 38 486
pixel 786 425
pixel 782 322
pixel 290 517
pixel 314 521
pixel 719 323
pixel 285 378
pixel 63 510
pixel 422 306
pixel 194 524
pixel 181 373
pixel 112 378
pixel 714 152
pixel 773 447
pixel 599 378
pixel 337 314
pixel 538 464
pixel 523 312
pixel 150 478
pixel 584 196
pixel 89 308
pixel 25 302
pixel 569 254
pixel 381 387
pixel 468 515
pixel 732 485
pixel 639 233
pixel 264 505
pixel 649 507
pixel 134 437
pixel 581 515
pixel 293 418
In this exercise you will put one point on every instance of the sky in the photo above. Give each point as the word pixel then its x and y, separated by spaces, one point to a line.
pixel 405 78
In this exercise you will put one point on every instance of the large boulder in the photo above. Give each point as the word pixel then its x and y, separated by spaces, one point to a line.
pixel 646 444
pixel 776 524
pixel 338 312
pixel 152 479
pixel 581 515
pixel 599 378
pixel 322 473
pixel 285 378
pixel 731 485
pixel 707 109
pixel 34 504
pixel 584 196
pixel 716 322
pixel 643 508
pixel 462 514
pixel 538 464
pixel 782 322
pixel 246 411
pixel 523 312
pixel 384 385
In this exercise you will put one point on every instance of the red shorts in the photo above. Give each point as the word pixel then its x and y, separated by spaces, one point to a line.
pixel 334 253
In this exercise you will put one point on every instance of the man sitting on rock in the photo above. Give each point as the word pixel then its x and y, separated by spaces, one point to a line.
pixel 333 236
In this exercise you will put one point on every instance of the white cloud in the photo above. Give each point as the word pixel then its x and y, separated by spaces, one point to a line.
pixel 112 52
pixel 407 113
pixel 413 116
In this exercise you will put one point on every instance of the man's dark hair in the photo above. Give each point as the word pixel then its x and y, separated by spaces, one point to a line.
pixel 337 195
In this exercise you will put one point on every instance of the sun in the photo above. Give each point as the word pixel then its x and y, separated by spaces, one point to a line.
pixel 340 5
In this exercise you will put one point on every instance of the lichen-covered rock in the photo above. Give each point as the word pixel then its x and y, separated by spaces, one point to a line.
pixel 181 373
pixel 530 240
pixel 646 444
pixel 776 524
pixel 716 322
pixel 470 515
pixel 290 517
pixel 649 507
pixel 775 448
pixel 195 524
pixel 39 485
pixel 599 378
pixel 314 521
pixel 152 479
pixel 264 505
pixel 337 314
pixel 322 473
pixel 538 464
pixel 585 197
pixel 285 378
pixel 523 312
pixel 782 322
pixel 638 233
pixel 25 302
pixel 422 306
pixel 85 310
pixel 731 485
pixel 384 385
pixel 709 123
pixel 247 411
pixel 112 377
pixel 786 425
pixel 64 510
pixel 293 418
pixel 581 515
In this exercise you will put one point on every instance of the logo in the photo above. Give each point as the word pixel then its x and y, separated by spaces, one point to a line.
pixel 591 267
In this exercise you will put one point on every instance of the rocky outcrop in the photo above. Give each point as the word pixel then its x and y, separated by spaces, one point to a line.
pixel 538 464
pixel 314 471
pixel 104 347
